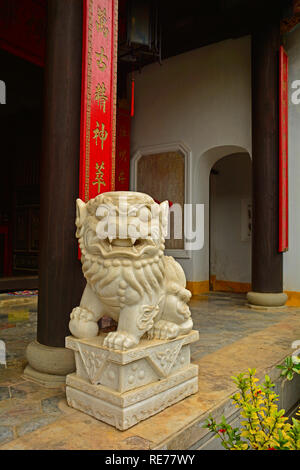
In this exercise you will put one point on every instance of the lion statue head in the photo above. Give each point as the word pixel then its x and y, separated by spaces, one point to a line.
pixel 121 224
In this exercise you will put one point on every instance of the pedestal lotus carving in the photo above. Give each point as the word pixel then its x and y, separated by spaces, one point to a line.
pixel 121 237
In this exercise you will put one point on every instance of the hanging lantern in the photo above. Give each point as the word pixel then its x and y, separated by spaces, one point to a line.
pixel 143 33
pixel 139 23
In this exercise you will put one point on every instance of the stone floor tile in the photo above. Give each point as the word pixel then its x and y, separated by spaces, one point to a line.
pixel 51 405
pixel 6 434
pixel 33 424
pixel 22 411
pixel 34 392
pixel 4 393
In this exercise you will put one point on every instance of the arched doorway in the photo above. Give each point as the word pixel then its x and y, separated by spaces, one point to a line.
pixel 230 224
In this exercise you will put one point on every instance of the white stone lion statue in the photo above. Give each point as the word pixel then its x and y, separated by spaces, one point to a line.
pixel 121 237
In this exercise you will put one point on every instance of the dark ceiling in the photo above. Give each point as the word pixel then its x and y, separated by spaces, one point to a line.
pixel 190 24
pixel 193 24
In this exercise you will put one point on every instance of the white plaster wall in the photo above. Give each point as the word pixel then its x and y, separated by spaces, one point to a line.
pixel 291 259
pixel 230 251
pixel 203 99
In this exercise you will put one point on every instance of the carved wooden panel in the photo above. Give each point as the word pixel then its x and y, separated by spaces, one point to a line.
pixel 21 230
pixel 26 230
pixel 162 176
pixel 34 217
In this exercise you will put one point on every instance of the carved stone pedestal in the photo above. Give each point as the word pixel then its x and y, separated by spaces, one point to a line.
pixel 122 388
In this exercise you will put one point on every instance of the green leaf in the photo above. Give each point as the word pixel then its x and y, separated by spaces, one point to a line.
pixel 290 375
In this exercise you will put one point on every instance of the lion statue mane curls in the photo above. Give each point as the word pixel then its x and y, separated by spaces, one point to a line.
pixel 122 240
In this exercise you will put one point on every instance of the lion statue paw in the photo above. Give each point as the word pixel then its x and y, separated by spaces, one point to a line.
pixel 82 323
pixel 164 330
pixel 120 341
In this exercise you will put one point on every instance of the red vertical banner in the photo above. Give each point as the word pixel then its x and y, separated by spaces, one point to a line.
pixel 283 153
pixel 98 102
pixel 123 148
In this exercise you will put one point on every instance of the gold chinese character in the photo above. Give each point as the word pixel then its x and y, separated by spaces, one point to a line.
pixel 101 60
pixel 122 178
pixel 99 176
pixel 102 20
pixel 100 96
pixel 100 134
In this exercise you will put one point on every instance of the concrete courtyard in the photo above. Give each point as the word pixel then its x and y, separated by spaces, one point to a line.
pixel 233 338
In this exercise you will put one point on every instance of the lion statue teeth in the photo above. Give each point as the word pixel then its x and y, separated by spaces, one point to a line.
pixel 121 237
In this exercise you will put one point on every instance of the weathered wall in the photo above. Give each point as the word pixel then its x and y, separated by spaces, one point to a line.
pixel 203 99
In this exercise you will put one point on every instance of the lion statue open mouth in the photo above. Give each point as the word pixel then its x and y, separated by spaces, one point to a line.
pixel 121 237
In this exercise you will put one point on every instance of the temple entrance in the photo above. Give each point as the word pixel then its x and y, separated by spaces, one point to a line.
pixel 21 130
pixel 231 224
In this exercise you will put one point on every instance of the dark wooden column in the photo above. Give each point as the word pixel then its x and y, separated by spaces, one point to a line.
pixel 60 277
pixel 266 260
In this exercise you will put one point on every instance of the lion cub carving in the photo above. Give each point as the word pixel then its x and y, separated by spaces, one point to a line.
pixel 121 237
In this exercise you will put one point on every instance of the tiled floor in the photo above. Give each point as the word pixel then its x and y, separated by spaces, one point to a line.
pixel 224 318
pixel 232 336
pixel 24 405
pixel 17 329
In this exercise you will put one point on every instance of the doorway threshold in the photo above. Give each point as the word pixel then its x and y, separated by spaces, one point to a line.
pixel 16 283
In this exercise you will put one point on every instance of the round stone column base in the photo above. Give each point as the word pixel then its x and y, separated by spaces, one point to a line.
pixel 46 380
pixel 48 366
pixel 266 300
